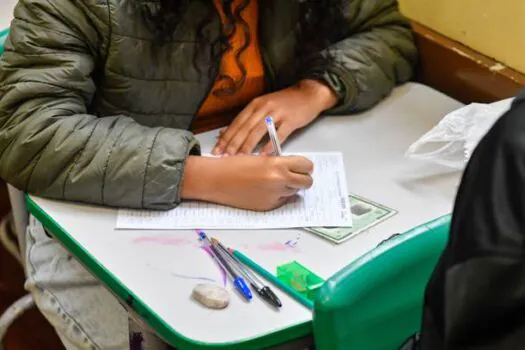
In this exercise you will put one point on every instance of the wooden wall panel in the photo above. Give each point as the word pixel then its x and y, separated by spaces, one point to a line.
pixel 461 72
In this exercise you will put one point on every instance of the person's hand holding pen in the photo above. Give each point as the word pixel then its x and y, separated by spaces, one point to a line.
pixel 246 181
pixel 292 108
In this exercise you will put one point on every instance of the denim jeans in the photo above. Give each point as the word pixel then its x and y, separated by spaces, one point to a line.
pixel 83 312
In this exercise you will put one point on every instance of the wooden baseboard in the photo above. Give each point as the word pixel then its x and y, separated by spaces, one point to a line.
pixel 461 72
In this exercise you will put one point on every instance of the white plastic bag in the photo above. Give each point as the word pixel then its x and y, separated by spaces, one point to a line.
pixel 484 123
pixel 452 141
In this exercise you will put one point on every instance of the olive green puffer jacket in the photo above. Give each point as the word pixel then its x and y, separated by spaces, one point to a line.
pixel 93 109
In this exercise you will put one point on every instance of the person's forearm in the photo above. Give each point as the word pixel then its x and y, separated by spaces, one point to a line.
pixel 199 178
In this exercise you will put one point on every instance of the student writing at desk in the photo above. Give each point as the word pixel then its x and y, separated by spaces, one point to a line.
pixel 98 101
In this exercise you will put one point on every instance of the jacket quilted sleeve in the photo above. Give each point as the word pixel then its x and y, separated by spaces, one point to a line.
pixel 50 145
pixel 376 53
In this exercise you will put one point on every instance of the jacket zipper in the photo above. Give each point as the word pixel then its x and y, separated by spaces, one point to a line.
pixel 269 74
pixel 208 91
pixel 268 70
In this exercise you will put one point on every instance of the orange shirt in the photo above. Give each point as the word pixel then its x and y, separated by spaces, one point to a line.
pixel 219 110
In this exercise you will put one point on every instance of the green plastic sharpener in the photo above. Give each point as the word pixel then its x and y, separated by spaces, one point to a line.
pixel 302 280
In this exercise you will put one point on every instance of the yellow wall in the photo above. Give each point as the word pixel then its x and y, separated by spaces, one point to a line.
pixel 496 28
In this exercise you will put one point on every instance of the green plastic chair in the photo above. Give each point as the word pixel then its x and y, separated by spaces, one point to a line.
pixel 3 36
pixel 376 302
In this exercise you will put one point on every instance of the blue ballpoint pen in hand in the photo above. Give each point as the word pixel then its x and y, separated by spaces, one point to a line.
pixel 272 133
pixel 238 281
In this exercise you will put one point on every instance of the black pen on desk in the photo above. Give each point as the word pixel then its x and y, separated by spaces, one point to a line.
pixel 264 291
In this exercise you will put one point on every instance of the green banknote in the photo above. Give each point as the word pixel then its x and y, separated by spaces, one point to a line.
pixel 365 214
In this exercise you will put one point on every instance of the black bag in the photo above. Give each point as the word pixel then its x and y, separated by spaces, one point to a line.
pixel 475 298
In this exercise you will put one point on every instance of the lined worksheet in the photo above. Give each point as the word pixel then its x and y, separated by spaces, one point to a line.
pixel 326 203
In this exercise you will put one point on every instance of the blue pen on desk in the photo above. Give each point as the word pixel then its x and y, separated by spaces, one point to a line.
pixel 237 279
pixel 272 133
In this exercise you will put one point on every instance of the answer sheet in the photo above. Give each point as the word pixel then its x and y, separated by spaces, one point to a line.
pixel 324 204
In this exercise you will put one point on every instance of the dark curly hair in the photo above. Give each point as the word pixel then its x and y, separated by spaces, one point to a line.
pixel 318 27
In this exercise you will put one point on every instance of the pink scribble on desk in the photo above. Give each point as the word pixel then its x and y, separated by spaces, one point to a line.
pixel 288 246
pixel 163 240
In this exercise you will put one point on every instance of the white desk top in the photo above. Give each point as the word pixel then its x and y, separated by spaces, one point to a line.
pixel 373 145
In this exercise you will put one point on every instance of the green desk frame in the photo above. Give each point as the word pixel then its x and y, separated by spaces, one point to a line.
pixel 128 297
